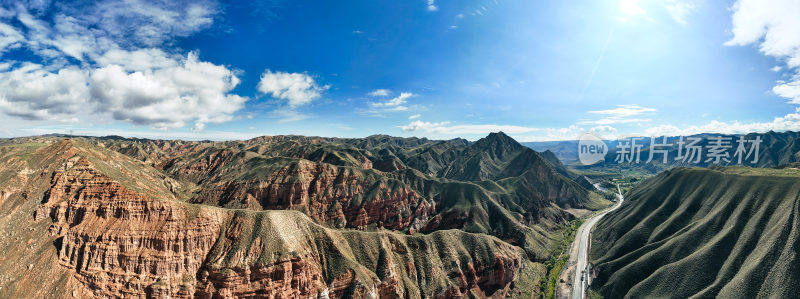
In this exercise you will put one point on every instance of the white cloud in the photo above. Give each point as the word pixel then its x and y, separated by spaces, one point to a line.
pixel 170 97
pixel 624 111
pixel 155 22
pixel 298 89
pixel 137 60
pixel 33 93
pixel 357 32
pixel 392 105
pixel 775 26
pixel 789 122
pixel 445 128
pixel 680 9
pixel 621 114
pixel 789 90
pixel 772 23
pixel 631 7
pixel 415 116
pixel 432 5
pixel 199 127
pixel 9 37
pixel 93 28
pixel 776 68
pixel 379 93
pixel 121 75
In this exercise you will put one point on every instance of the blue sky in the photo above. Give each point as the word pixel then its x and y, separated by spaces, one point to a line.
pixel 538 70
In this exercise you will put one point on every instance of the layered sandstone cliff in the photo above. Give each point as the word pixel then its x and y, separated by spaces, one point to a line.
pixel 119 238
pixel 341 197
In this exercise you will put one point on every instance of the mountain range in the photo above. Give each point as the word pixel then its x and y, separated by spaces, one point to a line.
pixel 280 216
pixel 775 149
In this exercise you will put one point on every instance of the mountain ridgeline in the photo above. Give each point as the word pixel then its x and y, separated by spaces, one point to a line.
pixel 775 149
pixel 282 216
pixel 725 232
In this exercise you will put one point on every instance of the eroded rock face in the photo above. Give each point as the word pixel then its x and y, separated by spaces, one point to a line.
pixel 328 194
pixel 294 278
pixel 120 242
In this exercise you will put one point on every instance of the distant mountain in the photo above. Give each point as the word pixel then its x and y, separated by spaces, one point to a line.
pixel 701 233
pixel 775 149
pixel 284 216
pixel 566 151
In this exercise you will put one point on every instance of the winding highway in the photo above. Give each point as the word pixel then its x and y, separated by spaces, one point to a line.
pixel 580 281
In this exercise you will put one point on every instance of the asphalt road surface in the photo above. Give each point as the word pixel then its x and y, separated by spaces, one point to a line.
pixel 580 281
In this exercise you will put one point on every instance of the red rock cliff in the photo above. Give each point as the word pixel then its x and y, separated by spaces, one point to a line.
pixel 120 242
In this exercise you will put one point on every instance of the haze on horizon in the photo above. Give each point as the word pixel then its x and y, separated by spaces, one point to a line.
pixel 428 68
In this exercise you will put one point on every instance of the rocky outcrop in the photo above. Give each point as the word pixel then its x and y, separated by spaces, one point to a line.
pixel 341 197
pixel 119 241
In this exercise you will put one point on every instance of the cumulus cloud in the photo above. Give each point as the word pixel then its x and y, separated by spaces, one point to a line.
pixel 445 128
pixel 168 97
pixel 789 90
pixel 770 23
pixel 296 88
pixel 33 93
pixel 121 75
pixel 773 26
pixel 415 116
pixel 620 115
pixel 165 97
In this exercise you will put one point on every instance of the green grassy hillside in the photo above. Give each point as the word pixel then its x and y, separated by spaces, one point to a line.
pixel 723 232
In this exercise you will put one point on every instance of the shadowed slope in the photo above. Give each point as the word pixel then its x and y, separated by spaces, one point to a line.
pixel 726 232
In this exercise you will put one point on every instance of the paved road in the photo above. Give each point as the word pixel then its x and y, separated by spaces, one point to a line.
pixel 579 281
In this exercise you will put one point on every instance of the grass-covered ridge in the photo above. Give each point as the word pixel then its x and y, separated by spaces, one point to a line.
pixel 725 232
pixel 427 263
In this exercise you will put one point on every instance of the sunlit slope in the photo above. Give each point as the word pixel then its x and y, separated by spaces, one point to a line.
pixel 82 221
pixel 729 233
